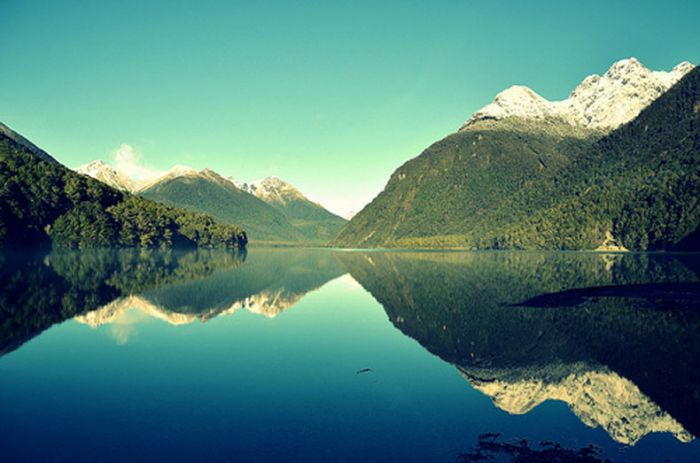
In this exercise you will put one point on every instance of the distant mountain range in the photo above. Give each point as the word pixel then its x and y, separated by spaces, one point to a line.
pixel 42 201
pixel 614 166
pixel 271 210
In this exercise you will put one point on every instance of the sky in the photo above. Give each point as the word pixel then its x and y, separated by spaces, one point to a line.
pixel 330 96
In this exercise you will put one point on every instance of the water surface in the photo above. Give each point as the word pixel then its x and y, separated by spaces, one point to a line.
pixel 323 355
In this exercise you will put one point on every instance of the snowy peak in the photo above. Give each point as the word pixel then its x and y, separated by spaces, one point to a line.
pixel 619 95
pixel 105 173
pixel 598 102
pixel 170 174
pixel 94 168
pixel 517 101
pixel 271 190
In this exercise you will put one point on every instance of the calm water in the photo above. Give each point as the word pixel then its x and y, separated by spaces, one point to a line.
pixel 320 355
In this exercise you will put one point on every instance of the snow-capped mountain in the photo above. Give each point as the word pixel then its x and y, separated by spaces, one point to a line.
pixel 314 220
pixel 270 208
pixel 599 102
pixel 271 190
pixel 170 174
pixel 107 174
pixel 247 187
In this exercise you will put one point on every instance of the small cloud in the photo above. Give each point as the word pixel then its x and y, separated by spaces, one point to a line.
pixel 127 161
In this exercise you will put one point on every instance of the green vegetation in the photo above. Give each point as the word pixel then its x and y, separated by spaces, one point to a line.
pixel 292 220
pixel 316 223
pixel 525 185
pixel 436 198
pixel 217 197
pixel 641 183
pixel 42 201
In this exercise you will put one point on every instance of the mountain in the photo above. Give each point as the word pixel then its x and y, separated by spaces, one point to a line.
pixel 601 102
pixel 208 192
pixel 42 201
pixel 10 134
pixel 106 174
pixel 271 209
pixel 314 221
pixel 527 173
pixel 637 187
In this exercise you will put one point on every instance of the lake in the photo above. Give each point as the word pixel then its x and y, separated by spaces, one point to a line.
pixel 327 355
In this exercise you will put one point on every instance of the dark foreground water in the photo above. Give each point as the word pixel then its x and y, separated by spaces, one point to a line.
pixel 320 355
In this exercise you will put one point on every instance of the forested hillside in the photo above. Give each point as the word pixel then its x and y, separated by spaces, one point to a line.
pixel 212 194
pixel 641 184
pixel 527 189
pixel 42 201
pixel 447 191
pixel 315 222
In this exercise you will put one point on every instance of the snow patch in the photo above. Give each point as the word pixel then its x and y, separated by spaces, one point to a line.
pixel 598 102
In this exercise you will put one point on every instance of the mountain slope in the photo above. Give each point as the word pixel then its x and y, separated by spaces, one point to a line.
pixel 208 192
pixel 107 174
pixel 41 200
pixel 312 219
pixel 520 181
pixel 640 185
pixel 451 186
pixel 232 202
pixel 10 134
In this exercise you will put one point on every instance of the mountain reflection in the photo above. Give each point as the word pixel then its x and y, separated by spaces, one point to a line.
pixel 617 362
pixel 123 287
pixel 270 282
pixel 622 357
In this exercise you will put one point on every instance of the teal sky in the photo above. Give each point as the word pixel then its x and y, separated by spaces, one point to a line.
pixel 331 96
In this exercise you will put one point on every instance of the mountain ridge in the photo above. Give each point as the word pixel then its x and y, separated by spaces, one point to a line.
pixel 301 219
pixel 42 202
pixel 541 182
pixel 26 144
pixel 598 102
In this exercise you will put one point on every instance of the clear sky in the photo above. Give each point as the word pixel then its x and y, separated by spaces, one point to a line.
pixel 331 96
